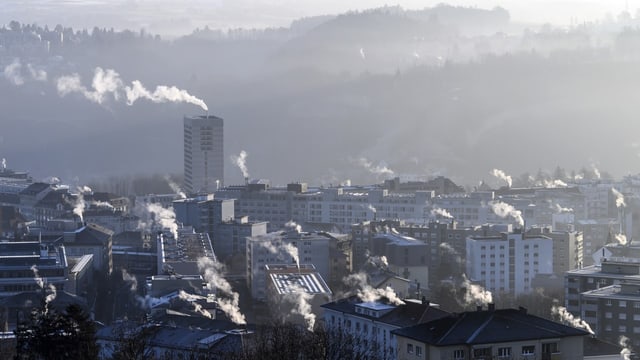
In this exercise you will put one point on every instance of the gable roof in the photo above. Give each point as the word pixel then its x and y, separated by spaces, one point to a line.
pixel 485 327
pixel 410 313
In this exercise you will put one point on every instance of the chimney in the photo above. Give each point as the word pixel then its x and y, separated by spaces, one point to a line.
pixel 479 308
pixel 492 307
pixel 425 301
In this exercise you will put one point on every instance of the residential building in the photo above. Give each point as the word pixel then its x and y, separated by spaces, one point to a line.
pixel 490 334
pixel 567 248
pixel 613 311
pixel 508 263
pixel 371 324
pixel 612 271
pixel 320 249
pixel 405 256
pixel 203 154
pixel 596 234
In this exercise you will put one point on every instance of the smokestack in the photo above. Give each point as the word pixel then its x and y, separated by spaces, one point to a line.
pixel 479 308
pixel 492 307
pixel 246 180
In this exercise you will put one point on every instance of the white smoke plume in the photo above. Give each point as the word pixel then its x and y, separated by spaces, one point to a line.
pixel 51 180
pixel 504 210
pixel 367 293
pixel 380 262
pixel 4 164
pixel 380 170
pixel 104 83
pixel 626 352
pixel 131 280
pixel 619 198
pixel 622 239
pixel 596 172
pixel 144 302
pixel 51 293
pixel 37 74
pixel 362 55
pixel 216 282
pixel 36 277
pixel 502 176
pixel 301 305
pixel 292 225
pixel 175 187
pixel 372 208
pixel 288 248
pixel 13 73
pixel 475 294
pixel 84 189
pixel 448 248
pixel 441 212
pixel 166 218
pixel 193 300
pixel 560 209
pixel 568 318
pixel 161 94
pixel 108 81
pixel 293 252
pixel 554 183
pixel 102 204
pixel 79 206
pixel 241 162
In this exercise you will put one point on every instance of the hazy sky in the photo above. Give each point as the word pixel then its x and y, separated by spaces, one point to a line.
pixel 173 16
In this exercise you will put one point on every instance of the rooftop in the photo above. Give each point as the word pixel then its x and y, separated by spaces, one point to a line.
pixel 294 282
pixel 486 327
pixel 408 314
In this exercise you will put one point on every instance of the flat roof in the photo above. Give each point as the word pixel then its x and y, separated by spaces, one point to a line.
pixel 375 305
pixel 293 282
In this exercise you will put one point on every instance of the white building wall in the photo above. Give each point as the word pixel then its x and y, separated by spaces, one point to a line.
pixel 488 261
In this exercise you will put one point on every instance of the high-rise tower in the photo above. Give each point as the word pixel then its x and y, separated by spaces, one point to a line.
pixel 203 154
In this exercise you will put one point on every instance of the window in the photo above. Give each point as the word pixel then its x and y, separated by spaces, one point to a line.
pixel 482 353
pixel 622 303
pixel 418 350
pixel 550 348
pixel 622 329
pixel 504 352
pixel 528 350
pixel 409 348
pixel 622 316
pixel 458 354
pixel 608 315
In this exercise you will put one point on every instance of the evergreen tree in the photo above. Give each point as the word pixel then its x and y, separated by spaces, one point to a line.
pixel 49 334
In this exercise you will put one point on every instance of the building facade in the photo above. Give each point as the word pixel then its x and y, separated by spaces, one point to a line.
pixel 508 263
pixel 203 154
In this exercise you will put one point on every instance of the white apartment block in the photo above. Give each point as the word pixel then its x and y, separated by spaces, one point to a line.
pixel 508 263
